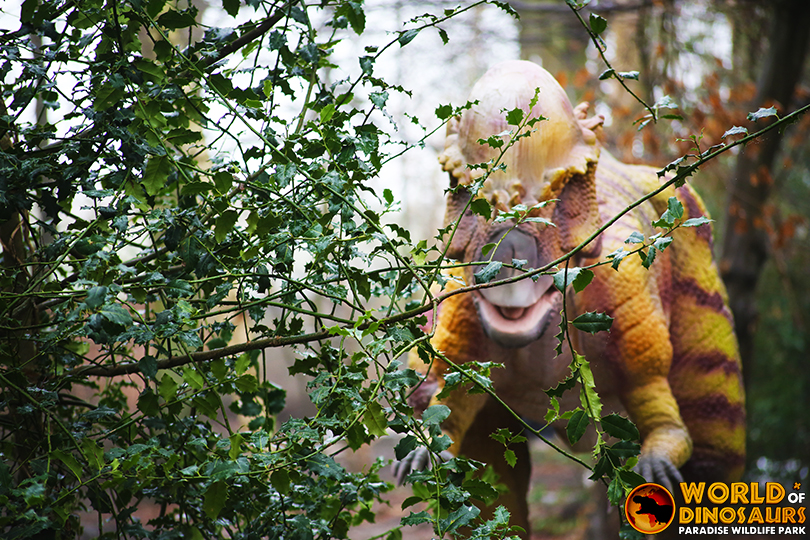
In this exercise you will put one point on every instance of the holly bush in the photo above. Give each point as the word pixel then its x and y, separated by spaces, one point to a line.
pixel 179 200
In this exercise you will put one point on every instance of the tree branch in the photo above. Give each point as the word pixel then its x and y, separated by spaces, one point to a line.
pixel 201 356
pixel 250 35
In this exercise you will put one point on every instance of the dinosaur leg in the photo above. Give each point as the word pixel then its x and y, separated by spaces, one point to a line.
pixel 480 446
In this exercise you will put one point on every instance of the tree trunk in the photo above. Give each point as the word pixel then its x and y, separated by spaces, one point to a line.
pixel 745 241
pixel 550 35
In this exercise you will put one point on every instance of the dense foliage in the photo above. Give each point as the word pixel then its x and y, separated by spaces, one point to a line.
pixel 179 201
pixel 185 199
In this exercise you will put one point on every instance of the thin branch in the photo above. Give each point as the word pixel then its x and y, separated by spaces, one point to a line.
pixel 250 35
pixel 599 47
pixel 200 356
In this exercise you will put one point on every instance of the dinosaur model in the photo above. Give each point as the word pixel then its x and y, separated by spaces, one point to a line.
pixel 670 360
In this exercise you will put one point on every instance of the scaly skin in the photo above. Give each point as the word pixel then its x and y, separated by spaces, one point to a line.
pixel 670 361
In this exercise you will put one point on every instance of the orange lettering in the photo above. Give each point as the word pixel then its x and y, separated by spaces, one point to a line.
pixel 727 515
pixel 774 492
pixel 739 491
pixel 692 491
pixel 714 497
pixel 686 514
pixel 756 498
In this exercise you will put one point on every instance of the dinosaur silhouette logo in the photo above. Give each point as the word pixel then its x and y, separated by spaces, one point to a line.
pixel 649 508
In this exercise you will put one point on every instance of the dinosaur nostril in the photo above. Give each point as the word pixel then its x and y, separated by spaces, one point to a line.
pixel 515 245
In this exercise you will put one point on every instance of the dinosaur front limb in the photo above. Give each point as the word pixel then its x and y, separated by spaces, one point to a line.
pixel 667 444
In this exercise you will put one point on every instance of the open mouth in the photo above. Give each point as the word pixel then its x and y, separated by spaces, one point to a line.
pixel 512 313
pixel 517 314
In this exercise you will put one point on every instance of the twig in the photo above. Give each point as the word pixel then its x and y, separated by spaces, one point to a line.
pixel 595 38
pixel 250 35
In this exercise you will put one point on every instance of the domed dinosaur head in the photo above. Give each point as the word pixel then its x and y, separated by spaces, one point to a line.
pixel 554 163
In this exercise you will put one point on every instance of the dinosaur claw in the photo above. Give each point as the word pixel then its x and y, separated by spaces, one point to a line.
pixel 417 460
pixel 659 470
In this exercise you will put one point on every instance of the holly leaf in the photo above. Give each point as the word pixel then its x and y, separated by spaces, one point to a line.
pixel 578 277
pixel 620 427
pixel 510 457
pixel 95 297
pixel 486 274
pixel 615 491
pixel 416 518
pixel 576 426
pixel 117 315
pixel 736 130
pixel 215 498
pixel 156 174
pixel 515 116
pixel 459 518
pixel 482 208
pixel 663 242
pixel 647 258
pixel 762 113
pixel 443 112
pixel 587 393
pixel 375 420
pixel 593 322
pixel 407 36
pixel 280 480
pixel 635 238
pixel 405 446
pixel 623 450
pixel 607 74
pixel 598 24
pixel 355 14
pixel 696 222
pixel 561 387
pixel 174 19
pixel 224 225
pixel 673 212
pixel 70 462
pixel 665 102
pixel 236 441
pixel 231 7
pixel 435 414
